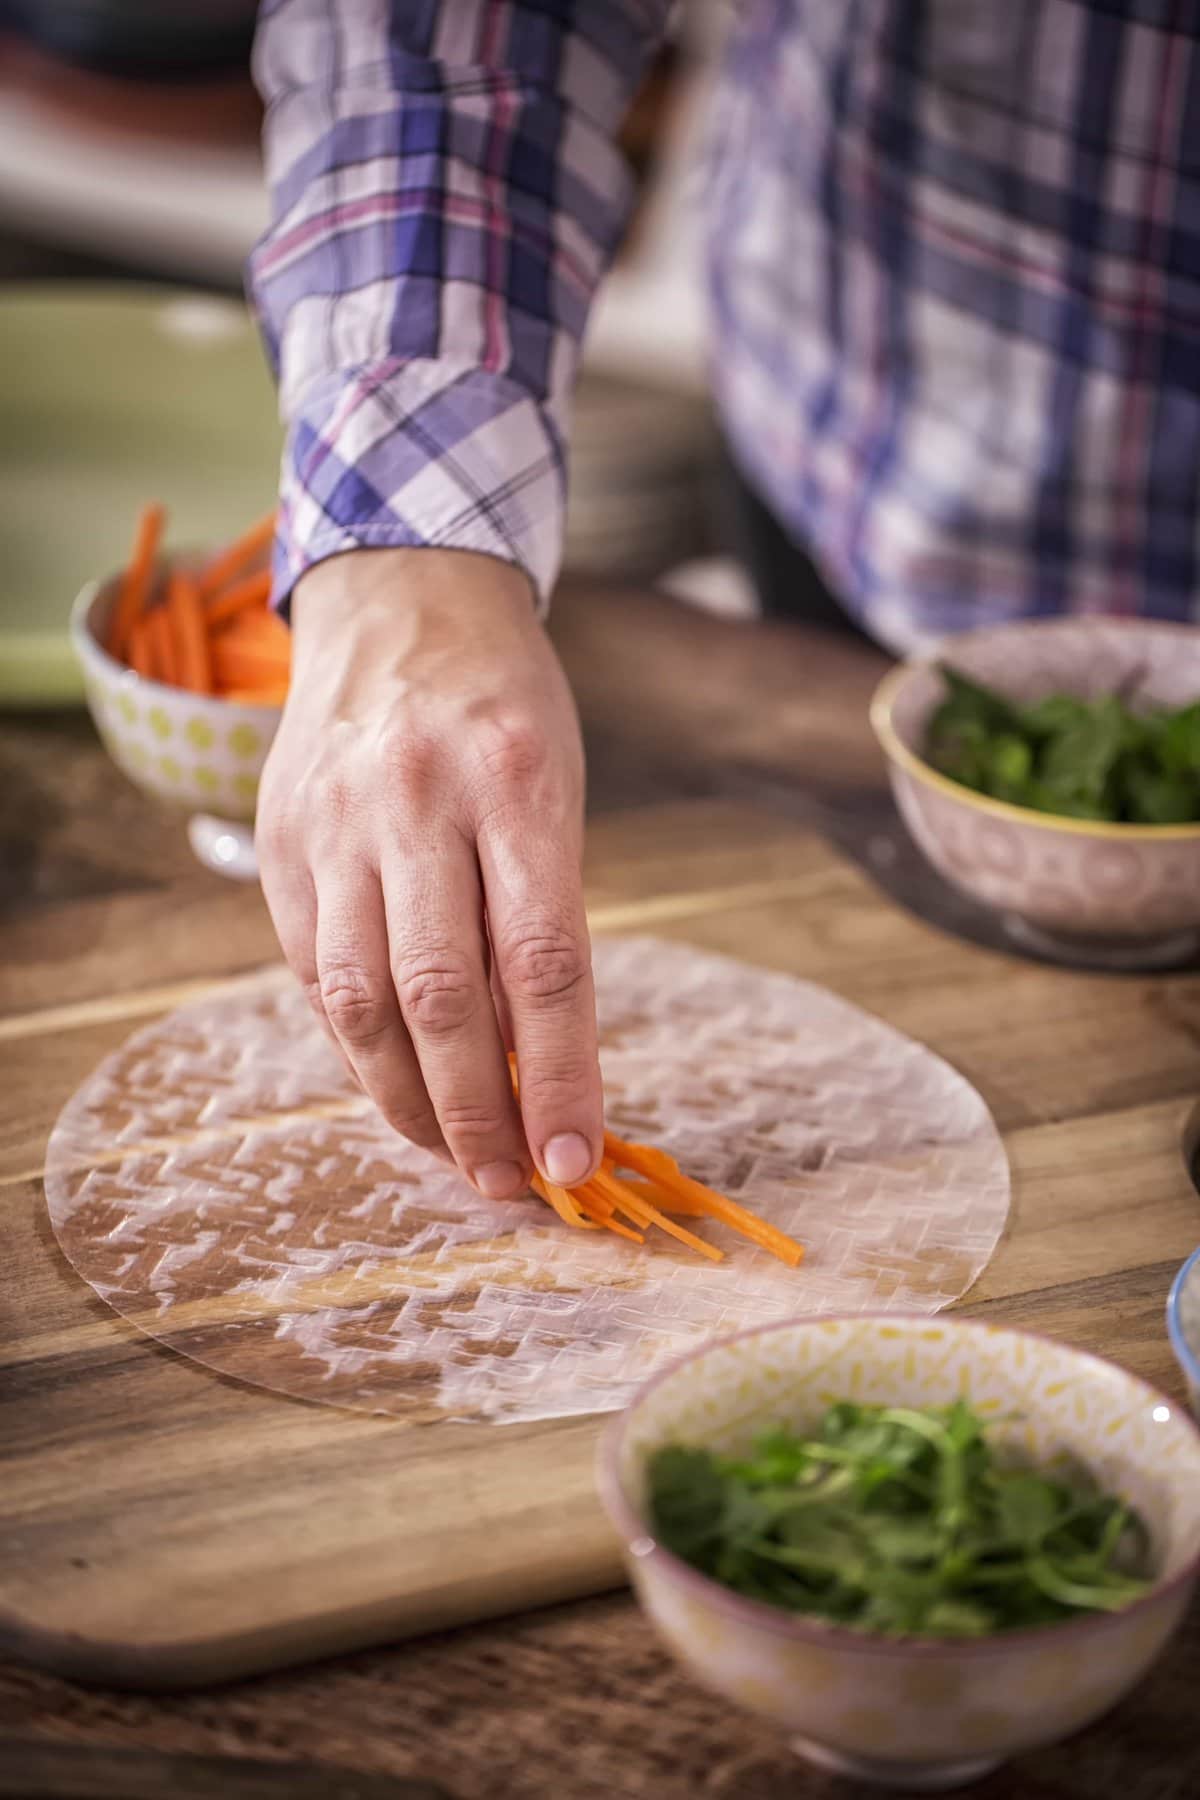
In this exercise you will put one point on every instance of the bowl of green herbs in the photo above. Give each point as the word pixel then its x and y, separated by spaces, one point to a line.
pixel 917 1546
pixel 1051 769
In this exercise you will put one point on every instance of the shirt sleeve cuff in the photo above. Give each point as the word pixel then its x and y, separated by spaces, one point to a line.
pixel 421 453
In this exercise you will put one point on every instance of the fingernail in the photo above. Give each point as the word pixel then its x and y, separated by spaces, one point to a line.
pixel 567 1158
pixel 498 1180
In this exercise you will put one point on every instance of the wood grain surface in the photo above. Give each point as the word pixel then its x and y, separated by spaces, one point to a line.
pixel 737 804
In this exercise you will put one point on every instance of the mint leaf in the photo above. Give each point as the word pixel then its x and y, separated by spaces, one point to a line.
pixel 1081 759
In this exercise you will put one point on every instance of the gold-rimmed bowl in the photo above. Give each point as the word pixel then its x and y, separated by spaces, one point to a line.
pixel 1084 891
pixel 917 1714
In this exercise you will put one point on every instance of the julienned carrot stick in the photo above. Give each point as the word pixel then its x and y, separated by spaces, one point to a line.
pixel 162 650
pixel 135 583
pixel 596 1208
pixel 256 626
pixel 234 559
pixel 663 1170
pixel 258 633
pixel 186 619
pixel 562 1203
pixel 599 1211
pixel 606 1195
pixel 667 1202
pixel 241 596
pixel 238 664
pixel 272 693
pixel 642 1213
pixel 137 651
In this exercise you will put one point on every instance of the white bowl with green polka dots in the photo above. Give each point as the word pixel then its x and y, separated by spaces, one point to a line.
pixel 196 751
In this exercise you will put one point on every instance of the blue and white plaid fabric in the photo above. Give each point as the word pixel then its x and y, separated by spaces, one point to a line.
pixel 955 271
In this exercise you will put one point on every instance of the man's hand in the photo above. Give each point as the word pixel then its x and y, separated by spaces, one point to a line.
pixel 419 834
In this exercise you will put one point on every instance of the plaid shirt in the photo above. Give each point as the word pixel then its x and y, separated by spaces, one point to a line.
pixel 955 277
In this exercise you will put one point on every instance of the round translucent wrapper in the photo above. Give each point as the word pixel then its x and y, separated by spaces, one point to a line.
pixel 221 1184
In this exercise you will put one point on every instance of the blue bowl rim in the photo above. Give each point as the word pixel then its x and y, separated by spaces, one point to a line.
pixel 1187 1354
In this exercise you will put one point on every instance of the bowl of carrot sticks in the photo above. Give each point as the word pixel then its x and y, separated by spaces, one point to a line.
pixel 186 671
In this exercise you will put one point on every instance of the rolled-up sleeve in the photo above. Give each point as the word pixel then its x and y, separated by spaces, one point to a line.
pixel 445 194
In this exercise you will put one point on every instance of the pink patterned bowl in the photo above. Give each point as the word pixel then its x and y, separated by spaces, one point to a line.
pixel 1116 895
pixel 924 1714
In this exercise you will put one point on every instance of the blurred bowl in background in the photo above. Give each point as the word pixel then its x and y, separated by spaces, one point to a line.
pixel 912 1713
pixel 1183 1325
pixel 1114 896
pixel 198 752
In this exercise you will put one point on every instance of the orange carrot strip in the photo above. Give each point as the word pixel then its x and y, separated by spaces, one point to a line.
pixel 162 648
pixel 646 1161
pixel 255 625
pixel 591 1196
pixel 237 665
pixel 596 1206
pixel 617 1196
pixel 250 591
pixel 656 1159
pixel 645 1214
pixel 272 693
pixel 138 650
pixel 135 583
pixel 562 1203
pixel 186 620
pixel 592 1202
pixel 664 1199
pixel 747 1224
pixel 588 1203
pixel 237 556
pixel 661 1179
pixel 260 632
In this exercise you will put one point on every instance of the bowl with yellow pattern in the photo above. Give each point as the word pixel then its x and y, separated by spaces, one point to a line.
pixel 919 1713
pixel 199 752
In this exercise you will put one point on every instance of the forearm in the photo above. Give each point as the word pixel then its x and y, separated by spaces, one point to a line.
pixel 446 192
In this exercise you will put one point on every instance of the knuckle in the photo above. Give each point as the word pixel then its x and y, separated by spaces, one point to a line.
pixel 545 1089
pixel 413 762
pixel 420 1127
pixel 353 1004
pixel 328 800
pixel 437 994
pixel 468 1123
pixel 546 963
pixel 512 765
pixel 514 751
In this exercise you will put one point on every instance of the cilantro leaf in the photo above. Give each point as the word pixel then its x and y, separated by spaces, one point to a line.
pixel 898 1520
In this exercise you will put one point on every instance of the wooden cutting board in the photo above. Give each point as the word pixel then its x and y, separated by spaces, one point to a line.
pixel 161 1525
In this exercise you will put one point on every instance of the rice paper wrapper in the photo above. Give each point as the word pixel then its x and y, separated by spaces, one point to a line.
pixel 221 1183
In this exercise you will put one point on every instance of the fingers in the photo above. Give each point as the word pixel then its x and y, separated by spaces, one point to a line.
pixel 402 984
pixel 543 963
pixel 292 903
pixel 440 976
pixel 352 987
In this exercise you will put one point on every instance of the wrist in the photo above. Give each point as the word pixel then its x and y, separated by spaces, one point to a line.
pixel 340 593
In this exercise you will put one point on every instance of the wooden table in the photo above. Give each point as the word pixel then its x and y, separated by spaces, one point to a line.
pixel 737 802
